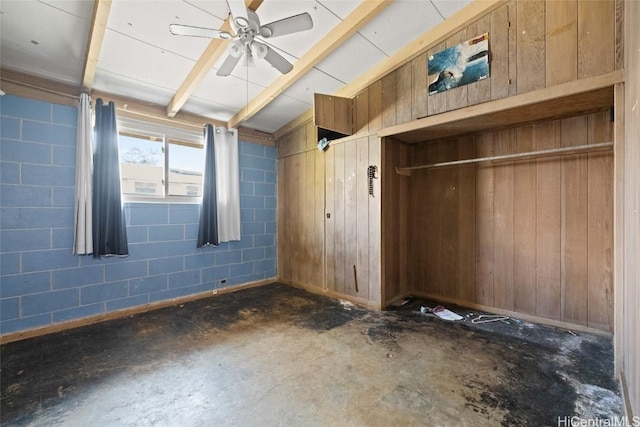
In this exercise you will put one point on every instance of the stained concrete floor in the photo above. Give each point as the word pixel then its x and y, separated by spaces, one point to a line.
pixel 279 356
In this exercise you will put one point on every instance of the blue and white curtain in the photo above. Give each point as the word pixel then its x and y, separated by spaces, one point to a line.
pixel 109 228
pixel 83 216
pixel 220 208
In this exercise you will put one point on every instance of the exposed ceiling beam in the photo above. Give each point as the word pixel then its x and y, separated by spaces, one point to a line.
pixel 431 37
pixel 212 53
pixel 101 11
pixel 366 11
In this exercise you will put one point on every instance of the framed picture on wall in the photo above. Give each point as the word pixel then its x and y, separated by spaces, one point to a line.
pixel 459 65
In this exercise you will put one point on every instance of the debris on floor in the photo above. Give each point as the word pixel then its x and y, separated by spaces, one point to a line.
pixel 487 318
pixel 441 312
pixel 400 302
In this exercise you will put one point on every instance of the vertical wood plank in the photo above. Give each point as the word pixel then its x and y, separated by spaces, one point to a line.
pixel 294 221
pixel 340 218
pixel 525 226
pixel 499 52
pixel 311 132
pixel 425 208
pixel 466 218
pixel 485 223
pixel 600 250
pixel 457 97
pixel 503 222
pixel 330 218
pixel 619 36
pixel 437 102
pixel 362 111
pixel 433 222
pixel 574 207
pixel 513 47
pixel 323 110
pixel 419 92
pixel 375 106
pixel 618 227
pixel 561 41
pixel 596 37
pixel 402 221
pixel 548 271
pixel 314 256
pixel 375 225
pixel 389 100
pixel 351 214
pixel 403 93
pixel 531 45
pixel 343 115
pixel 318 204
pixel 450 238
pixel 362 217
pixel 479 91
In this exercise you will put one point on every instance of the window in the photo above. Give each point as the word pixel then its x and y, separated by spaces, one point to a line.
pixel 159 163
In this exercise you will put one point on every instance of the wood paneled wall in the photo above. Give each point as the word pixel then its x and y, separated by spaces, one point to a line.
pixel 352 233
pixel 395 227
pixel 301 211
pixel 329 253
pixel 532 237
pixel 533 44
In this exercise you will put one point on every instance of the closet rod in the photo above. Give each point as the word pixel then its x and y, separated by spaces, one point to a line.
pixel 552 152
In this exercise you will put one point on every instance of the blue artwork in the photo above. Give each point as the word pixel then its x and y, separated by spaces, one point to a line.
pixel 459 65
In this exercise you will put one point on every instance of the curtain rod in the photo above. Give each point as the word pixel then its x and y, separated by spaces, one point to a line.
pixel 552 152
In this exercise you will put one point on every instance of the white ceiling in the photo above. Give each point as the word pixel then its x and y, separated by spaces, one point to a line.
pixel 140 59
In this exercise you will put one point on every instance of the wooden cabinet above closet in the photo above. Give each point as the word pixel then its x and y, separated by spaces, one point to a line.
pixel 333 116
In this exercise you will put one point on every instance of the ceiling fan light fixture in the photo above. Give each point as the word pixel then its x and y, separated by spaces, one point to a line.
pixel 224 35
pixel 242 22
pixel 236 48
pixel 265 32
pixel 259 49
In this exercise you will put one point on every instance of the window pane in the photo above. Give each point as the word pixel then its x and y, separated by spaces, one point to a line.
pixel 141 166
pixel 186 167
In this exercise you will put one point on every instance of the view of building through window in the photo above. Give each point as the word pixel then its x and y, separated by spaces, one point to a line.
pixel 151 166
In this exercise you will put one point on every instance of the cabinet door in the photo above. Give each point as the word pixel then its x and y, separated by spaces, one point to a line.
pixel 352 228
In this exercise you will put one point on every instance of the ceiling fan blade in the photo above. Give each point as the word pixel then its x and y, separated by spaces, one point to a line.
pixel 293 24
pixel 239 13
pixel 228 65
pixel 188 30
pixel 277 61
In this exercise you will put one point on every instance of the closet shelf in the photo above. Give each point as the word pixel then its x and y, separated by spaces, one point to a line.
pixel 551 152
pixel 576 97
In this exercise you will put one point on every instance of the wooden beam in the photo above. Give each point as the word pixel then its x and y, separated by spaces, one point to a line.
pixel 428 39
pixel 215 49
pixel 101 11
pixel 338 35
pixel 127 107
pixel 32 87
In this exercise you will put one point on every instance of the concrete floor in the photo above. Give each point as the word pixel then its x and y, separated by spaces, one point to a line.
pixel 277 355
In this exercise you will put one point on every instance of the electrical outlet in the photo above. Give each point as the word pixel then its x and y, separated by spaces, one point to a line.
pixel 214 292
pixel 223 281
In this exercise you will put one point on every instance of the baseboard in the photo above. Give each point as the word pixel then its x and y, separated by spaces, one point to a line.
pixel 332 294
pixel 626 400
pixel 514 314
pixel 72 324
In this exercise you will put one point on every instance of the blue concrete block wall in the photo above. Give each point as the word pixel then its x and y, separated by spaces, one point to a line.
pixel 42 283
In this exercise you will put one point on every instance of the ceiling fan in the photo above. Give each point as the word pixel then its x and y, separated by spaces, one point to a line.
pixel 247 28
